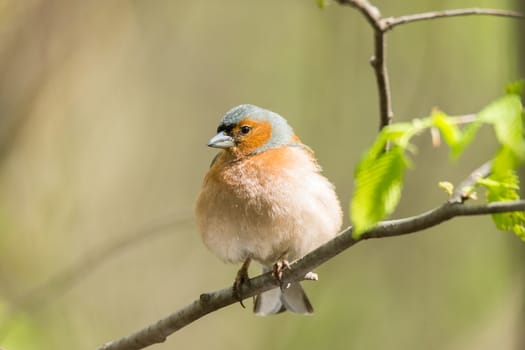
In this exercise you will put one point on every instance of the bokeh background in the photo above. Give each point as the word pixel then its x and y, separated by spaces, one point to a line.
pixel 105 111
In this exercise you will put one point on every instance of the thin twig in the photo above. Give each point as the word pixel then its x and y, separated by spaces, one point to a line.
pixel 369 11
pixel 209 302
pixel 378 62
pixel 464 190
pixel 464 119
pixel 392 22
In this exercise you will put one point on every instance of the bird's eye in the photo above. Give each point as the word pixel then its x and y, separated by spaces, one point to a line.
pixel 245 129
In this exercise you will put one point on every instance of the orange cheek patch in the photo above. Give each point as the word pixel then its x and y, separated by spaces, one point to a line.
pixel 259 135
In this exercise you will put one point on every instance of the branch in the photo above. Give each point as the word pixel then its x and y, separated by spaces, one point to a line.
pixel 392 22
pixel 378 62
pixel 209 302
pixel 464 190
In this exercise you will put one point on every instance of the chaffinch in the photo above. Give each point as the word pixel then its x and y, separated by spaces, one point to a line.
pixel 264 199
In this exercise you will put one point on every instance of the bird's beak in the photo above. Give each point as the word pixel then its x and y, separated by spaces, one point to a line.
pixel 221 140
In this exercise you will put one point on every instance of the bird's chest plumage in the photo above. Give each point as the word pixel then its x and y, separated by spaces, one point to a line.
pixel 248 191
pixel 261 209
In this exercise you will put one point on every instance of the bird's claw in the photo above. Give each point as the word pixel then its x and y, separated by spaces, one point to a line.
pixel 278 269
pixel 241 278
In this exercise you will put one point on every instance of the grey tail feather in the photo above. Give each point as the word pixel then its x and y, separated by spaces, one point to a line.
pixel 275 301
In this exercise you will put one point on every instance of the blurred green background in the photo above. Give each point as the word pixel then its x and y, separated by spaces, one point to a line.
pixel 105 111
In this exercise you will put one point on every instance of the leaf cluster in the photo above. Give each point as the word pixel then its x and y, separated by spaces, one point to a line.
pixel 379 175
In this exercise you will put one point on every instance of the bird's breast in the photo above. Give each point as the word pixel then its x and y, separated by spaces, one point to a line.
pixel 263 205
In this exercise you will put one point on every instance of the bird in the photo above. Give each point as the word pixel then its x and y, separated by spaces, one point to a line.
pixel 265 199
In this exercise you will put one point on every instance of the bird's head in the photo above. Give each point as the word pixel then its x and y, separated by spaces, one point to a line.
pixel 248 129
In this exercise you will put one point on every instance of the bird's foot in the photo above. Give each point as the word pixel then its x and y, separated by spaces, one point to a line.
pixel 278 269
pixel 241 278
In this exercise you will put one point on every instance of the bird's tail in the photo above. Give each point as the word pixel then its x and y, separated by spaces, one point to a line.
pixel 293 298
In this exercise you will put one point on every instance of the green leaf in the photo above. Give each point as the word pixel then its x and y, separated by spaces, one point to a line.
pixel 469 132
pixel 391 133
pixel 397 130
pixel 505 114
pixel 378 184
pixel 514 222
pixel 379 176
pixel 448 187
pixel 503 185
pixel 451 133
pixel 505 160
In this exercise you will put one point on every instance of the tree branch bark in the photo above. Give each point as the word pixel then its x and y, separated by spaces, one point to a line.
pixel 212 301
pixel 392 22
pixel 462 192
